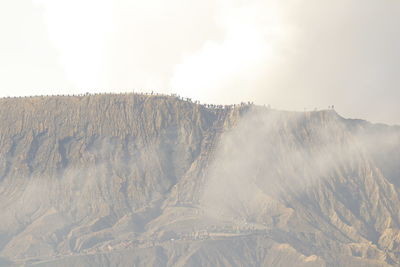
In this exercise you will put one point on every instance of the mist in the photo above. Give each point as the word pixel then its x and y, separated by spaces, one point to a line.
pixel 271 159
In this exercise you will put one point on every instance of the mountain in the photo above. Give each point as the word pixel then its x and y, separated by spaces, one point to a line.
pixel 155 180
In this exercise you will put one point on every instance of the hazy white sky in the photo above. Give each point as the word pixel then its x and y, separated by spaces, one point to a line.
pixel 292 54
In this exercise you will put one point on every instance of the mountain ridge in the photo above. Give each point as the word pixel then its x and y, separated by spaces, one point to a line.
pixel 91 179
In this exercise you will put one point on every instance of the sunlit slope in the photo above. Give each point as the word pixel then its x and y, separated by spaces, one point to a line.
pixel 111 180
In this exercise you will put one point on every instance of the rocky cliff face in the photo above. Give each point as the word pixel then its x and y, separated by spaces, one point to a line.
pixel 119 180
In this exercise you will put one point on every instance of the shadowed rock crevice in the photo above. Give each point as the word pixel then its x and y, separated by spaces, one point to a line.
pixel 63 152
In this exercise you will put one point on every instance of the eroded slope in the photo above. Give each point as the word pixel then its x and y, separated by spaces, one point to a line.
pixel 154 180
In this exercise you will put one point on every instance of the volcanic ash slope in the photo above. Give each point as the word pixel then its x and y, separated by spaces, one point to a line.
pixel 149 180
